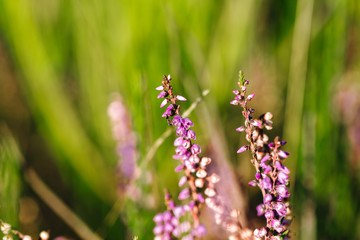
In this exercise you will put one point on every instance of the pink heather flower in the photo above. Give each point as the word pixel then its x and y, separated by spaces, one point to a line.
pixel 276 224
pixel 178 141
pixel 186 143
pixel 181 131
pixel 169 111
pixel 158 218
pixel 194 158
pixel 269 214
pixel 266 168
pixel 191 205
pixel 168 227
pixel 179 168
pixel 166 236
pixel 178 211
pixel 256 123
pixel 167 216
pixel 181 150
pixel 200 231
pixel 237 98
pixel 281 167
pixel 280 208
pixel 191 134
pixel 260 209
pixel 200 198
pixel 234 102
pixel 162 94
pixel 268 116
pixel 267 198
pixel 260 233
pixel 253 183
pixel 282 177
pixel 177 157
pixel 160 88
pixel 201 173
pixel 180 98
pixel 182 181
pixel 177 121
pixel 171 204
pixel 282 191
pixel 265 183
pixel 210 192
pixel 265 158
pixel 158 229
pixel 187 123
pixel 283 154
pixel 163 103
pixel 185 193
pixel 243 149
pixel 251 96
pixel 240 129
pixel 195 149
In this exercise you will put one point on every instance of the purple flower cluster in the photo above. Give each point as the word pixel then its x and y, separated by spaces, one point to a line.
pixel 200 186
pixel 169 226
pixel 126 143
pixel 272 177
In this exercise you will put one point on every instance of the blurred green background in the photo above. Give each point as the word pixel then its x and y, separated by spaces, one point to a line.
pixel 61 62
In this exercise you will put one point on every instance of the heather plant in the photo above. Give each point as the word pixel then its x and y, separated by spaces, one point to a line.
pixel 271 176
pixel 126 148
pixel 10 233
pixel 168 224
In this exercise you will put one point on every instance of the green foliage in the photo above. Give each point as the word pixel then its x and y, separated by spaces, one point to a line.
pixel 10 179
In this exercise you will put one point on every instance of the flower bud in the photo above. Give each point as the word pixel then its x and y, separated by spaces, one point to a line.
pixel 185 193
pixel 243 149
pixel 180 98
pixel 164 102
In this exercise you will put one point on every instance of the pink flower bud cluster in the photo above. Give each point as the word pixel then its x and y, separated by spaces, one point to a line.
pixel 198 185
pixel 272 177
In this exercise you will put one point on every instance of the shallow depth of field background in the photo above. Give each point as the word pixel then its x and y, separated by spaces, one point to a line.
pixel 62 62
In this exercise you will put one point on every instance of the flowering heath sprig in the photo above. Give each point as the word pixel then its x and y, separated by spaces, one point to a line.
pixel 169 225
pixel 198 185
pixel 10 234
pixel 272 177
pixel 123 133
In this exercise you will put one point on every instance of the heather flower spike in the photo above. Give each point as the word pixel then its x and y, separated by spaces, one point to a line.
pixel 127 169
pixel 271 175
pixel 197 185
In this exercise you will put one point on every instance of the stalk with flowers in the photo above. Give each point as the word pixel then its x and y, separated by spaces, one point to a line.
pixel 271 176
pixel 196 179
